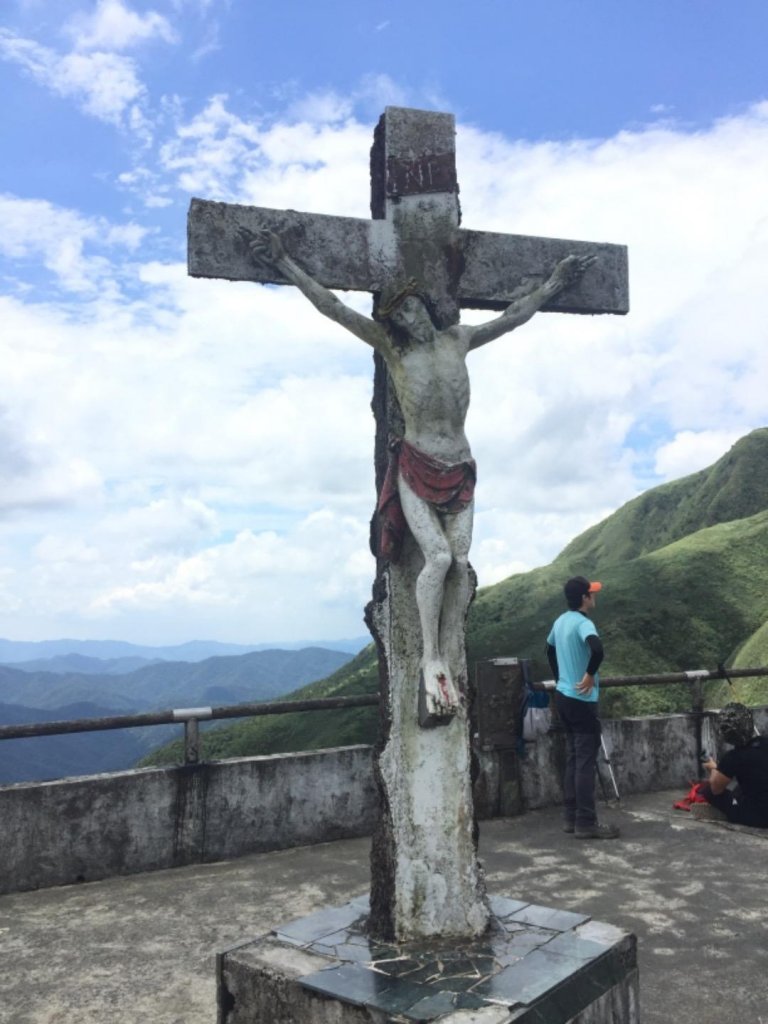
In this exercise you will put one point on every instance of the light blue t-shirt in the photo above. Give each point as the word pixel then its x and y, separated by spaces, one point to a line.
pixel 569 638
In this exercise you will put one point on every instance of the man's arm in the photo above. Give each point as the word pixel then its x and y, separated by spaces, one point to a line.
pixel 718 782
pixel 552 659
pixel 596 655
pixel 266 246
pixel 566 273
pixel 723 771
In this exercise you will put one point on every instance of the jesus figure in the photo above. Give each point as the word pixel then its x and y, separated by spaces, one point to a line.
pixel 430 483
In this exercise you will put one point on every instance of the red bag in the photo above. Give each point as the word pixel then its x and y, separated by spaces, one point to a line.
pixel 693 796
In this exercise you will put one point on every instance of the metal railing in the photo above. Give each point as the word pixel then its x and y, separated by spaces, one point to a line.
pixel 191 717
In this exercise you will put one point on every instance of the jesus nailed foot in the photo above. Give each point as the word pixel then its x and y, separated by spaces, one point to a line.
pixel 438 697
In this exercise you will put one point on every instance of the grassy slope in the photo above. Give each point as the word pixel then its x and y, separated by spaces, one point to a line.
pixel 689 605
pixel 749 691
pixel 686 586
pixel 735 487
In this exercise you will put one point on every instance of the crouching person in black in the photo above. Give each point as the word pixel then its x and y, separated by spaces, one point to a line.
pixel 747 763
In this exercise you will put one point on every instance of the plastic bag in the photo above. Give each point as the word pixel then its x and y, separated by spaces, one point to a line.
pixel 536 722
pixel 537 717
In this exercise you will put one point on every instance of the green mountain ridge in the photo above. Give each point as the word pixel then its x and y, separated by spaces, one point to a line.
pixel 685 578
pixel 735 487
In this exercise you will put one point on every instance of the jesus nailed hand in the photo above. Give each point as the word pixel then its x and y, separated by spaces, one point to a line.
pixel 427 365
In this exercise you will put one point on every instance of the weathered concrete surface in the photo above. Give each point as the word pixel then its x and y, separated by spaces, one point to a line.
pixel 56 833
pixel 82 829
pixel 142 948
pixel 431 883
pixel 651 753
pixel 496 265
pixel 274 980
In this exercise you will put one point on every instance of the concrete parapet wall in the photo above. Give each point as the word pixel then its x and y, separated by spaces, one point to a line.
pixel 98 826
pixel 656 752
pixel 651 753
pixel 82 829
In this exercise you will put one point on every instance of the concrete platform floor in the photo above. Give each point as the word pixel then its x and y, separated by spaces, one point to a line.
pixel 140 949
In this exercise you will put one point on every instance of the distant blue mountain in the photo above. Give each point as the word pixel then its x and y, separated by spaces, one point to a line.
pixel 30 695
pixel 13 652
pixel 259 675
pixel 41 758
pixel 68 664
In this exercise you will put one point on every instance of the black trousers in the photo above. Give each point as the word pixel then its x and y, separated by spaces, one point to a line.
pixel 736 807
pixel 582 743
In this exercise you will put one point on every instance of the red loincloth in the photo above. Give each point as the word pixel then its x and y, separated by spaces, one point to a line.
pixel 448 489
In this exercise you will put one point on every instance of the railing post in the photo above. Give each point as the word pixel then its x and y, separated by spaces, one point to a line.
pixel 191 719
pixel 697 708
pixel 191 741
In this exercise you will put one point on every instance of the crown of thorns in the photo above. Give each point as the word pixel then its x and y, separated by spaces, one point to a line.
pixel 388 306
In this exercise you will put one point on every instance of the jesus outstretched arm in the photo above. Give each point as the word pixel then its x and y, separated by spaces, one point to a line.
pixel 267 247
pixel 567 272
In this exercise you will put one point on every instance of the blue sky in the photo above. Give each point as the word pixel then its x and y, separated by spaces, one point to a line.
pixel 186 458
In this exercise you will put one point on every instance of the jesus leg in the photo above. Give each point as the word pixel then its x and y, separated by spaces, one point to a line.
pixel 456 595
pixel 442 698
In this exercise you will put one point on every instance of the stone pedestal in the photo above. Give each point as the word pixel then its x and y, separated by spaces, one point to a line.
pixel 534 965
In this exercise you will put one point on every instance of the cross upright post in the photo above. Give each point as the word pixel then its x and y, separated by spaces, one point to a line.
pixel 421 268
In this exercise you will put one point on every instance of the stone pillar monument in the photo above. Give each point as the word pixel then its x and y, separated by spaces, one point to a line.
pixel 425 878
pixel 421 268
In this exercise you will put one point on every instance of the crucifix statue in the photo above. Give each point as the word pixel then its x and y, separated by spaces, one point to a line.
pixel 431 476
pixel 421 268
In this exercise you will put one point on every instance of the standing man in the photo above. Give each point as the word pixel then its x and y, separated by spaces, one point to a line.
pixel 574 652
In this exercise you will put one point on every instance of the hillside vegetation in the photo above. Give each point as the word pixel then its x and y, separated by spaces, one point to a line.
pixel 685 578
pixel 752 654
pixel 300 731
pixel 735 487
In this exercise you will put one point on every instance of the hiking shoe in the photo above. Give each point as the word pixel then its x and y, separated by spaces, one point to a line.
pixel 568 826
pixel 598 832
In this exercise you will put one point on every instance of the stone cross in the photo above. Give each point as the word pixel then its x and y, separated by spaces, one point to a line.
pixel 426 881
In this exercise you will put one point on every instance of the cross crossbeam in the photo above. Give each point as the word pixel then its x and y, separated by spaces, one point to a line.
pixel 353 254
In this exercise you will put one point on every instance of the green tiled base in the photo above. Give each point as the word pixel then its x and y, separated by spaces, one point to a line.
pixel 535 965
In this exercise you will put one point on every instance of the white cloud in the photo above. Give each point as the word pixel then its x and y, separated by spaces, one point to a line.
pixel 212 442
pixel 324 107
pixel 63 241
pixel 113 25
pixel 50 483
pixel 209 150
pixel 105 85
pixel 318 154
pixel 169 524
pixel 256 571
pixel 690 451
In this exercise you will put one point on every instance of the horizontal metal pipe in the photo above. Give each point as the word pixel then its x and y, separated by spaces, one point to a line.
pixel 170 717
pixel 282 707
pixel 667 678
